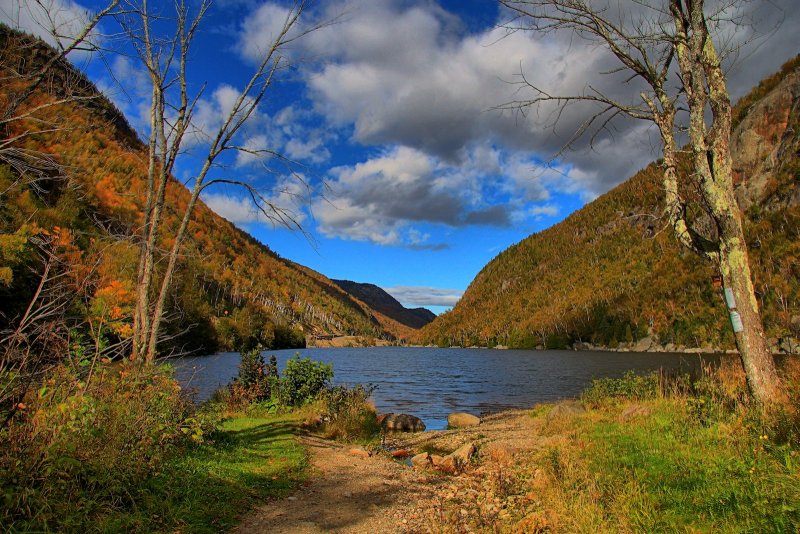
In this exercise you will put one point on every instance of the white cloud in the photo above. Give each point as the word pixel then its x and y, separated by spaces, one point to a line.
pixel 261 29
pixel 548 210
pixel 383 198
pixel 286 200
pixel 424 296
pixel 57 22
pixel 254 151
pixel 402 74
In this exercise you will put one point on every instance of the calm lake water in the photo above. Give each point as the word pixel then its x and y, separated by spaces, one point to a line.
pixel 431 383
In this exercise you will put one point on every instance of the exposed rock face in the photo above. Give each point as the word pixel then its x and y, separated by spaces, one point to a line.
pixel 764 140
pixel 402 423
pixel 462 419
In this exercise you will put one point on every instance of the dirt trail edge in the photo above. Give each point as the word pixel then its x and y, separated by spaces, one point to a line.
pixel 351 493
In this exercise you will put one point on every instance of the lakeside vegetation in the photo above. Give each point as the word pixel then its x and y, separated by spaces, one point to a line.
pixel 647 454
pixel 122 448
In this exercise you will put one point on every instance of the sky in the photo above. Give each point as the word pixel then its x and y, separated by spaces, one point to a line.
pixel 404 171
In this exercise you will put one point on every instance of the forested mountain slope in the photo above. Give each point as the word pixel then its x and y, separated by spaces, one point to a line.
pixel 612 273
pixel 229 291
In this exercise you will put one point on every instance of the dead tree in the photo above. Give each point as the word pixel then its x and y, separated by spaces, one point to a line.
pixel 165 57
pixel 656 43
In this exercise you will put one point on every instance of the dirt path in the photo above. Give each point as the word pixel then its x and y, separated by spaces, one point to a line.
pixel 348 493
pixel 351 493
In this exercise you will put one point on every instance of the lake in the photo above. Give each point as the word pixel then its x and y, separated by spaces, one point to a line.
pixel 431 383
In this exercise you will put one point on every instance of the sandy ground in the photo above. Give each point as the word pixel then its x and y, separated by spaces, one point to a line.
pixel 355 493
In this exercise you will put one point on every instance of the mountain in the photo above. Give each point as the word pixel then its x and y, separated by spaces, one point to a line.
pixel 381 301
pixel 612 274
pixel 229 291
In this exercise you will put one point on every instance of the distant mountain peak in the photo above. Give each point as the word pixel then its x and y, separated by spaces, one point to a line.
pixel 381 301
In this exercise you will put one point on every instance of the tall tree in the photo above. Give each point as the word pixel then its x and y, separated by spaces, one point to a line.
pixel 165 56
pixel 656 42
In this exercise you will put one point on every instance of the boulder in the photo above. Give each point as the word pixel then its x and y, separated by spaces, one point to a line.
pixel 447 464
pixel 422 460
pixel 462 419
pixel 360 452
pixel 402 423
pixel 462 455
pixel 401 453
pixel 643 345
pixel 565 409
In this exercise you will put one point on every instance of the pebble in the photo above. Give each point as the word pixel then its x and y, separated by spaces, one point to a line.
pixel 292 498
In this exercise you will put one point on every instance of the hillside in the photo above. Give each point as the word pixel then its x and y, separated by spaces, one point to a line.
pixel 381 301
pixel 612 273
pixel 229 291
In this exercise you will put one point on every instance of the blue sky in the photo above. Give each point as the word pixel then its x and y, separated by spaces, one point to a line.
pixel 411 180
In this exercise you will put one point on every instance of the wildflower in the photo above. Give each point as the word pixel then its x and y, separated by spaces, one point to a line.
pixel 21 405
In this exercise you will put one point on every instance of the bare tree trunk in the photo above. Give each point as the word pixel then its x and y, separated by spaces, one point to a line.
pixel 705 87
pixel 759 366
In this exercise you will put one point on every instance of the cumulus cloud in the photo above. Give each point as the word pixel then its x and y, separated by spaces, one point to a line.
pixel 424 296
pixel 412 79
pixel 401 75
pixel 381 199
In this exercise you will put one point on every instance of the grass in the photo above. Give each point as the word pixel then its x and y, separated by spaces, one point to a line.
pixel 667 473
pixel 208 488
pixel 674 457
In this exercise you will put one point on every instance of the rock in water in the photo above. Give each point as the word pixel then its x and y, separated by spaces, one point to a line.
pixel 402 423
pixel 462 419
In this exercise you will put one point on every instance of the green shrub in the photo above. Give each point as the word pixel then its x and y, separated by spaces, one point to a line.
pixel 349 414
pixel 303 379
pixel 78 451
pixel 629 386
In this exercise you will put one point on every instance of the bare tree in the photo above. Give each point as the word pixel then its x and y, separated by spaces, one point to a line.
pixel 166 59
pixel 656 42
